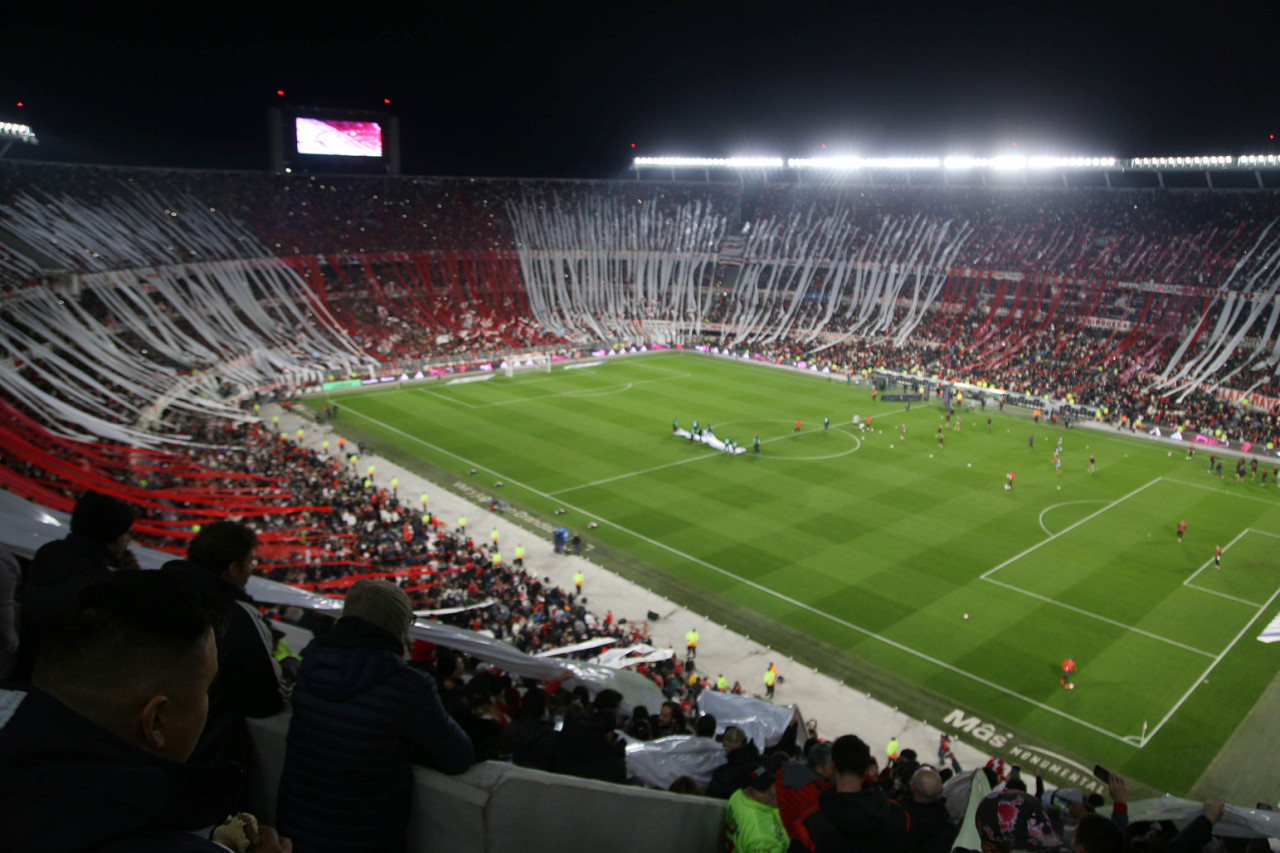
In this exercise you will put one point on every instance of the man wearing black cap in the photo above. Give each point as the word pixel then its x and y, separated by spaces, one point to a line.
pixel 98 543
pixel 751 820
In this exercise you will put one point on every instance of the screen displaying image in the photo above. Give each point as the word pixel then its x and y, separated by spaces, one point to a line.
pixel 344 138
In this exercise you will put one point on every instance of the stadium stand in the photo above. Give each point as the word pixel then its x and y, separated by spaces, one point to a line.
pixel 149 315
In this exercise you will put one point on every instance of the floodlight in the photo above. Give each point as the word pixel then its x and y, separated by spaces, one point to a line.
pixel 1202 161
pixel 710 162
pixel 18 132
pixel 1070 162
pixel 1255 160
pixel 843 163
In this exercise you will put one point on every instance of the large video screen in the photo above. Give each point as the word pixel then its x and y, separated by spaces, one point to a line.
pixel 343 138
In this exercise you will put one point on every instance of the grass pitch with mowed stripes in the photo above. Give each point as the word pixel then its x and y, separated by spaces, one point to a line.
pixel 863 550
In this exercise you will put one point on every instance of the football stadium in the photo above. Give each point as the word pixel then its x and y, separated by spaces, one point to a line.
pixel 351 509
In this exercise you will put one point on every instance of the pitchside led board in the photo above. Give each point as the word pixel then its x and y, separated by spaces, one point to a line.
pixel 334 141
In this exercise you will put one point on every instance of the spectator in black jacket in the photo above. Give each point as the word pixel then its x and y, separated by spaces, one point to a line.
pixel 98 542
pixel 741 758
pixel 588 746
pixel 360 714
pixel 931 830
pixel 855 816
pixel 91 755
pixel 250 683
pixel 529 739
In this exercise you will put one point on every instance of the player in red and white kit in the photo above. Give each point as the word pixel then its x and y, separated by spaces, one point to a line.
pixel 1068 667
pixel 1182 528
pixel 1217 557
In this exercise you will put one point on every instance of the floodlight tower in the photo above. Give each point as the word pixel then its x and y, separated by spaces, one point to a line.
pixel 11 132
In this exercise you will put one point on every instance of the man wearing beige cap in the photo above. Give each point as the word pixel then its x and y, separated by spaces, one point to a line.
pixel 359 714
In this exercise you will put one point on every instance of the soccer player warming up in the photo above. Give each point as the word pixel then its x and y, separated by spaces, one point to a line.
pixel 1068 667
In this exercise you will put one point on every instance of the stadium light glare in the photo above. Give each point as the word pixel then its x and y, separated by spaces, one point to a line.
pixel 846 163
pixel 20 132
pixel 1255 160
pixel 1195 162
pixel 710 162
pixel 1070 162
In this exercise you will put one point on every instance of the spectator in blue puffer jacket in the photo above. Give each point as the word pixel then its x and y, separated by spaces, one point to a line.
pixel 361 715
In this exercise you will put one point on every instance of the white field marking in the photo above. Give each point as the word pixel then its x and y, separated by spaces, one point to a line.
pixel 1064 503
pixel 661 369
pixel 1264 533
pixel 587 392
pixel 447 398
pixel 1239 536
pixel 1219 491
pixel 1067 529
pixel 1093 615
pixel 1262 609
pixel 1188 582
pixel 999 688
pixel 637 473
pixel 986 577
pixel 713 455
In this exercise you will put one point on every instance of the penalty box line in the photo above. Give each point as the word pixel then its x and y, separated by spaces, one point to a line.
pixel 999 688
pixel 1189 585
pixel 1217 660
pixel 986 576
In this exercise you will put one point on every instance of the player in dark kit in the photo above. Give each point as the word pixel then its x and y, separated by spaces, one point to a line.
pixel 1182 528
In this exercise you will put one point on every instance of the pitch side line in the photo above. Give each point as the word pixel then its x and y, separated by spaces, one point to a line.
pixel 999 688
pixel 1262 609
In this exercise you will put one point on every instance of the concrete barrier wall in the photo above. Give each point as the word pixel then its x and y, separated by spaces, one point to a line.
pixel 499 808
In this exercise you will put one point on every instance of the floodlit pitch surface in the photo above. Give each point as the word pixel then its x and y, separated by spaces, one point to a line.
pixel 865 549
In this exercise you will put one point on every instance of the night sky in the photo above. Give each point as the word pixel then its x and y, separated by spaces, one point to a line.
pixel 563 90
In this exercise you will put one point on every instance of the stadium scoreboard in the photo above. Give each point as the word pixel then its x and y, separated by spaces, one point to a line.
pixel 358 142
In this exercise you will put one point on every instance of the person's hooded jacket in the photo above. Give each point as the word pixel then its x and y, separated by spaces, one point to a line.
pixel 361 717
pixel 866 821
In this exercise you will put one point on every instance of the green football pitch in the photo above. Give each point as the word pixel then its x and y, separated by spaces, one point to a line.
pixel 859 552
